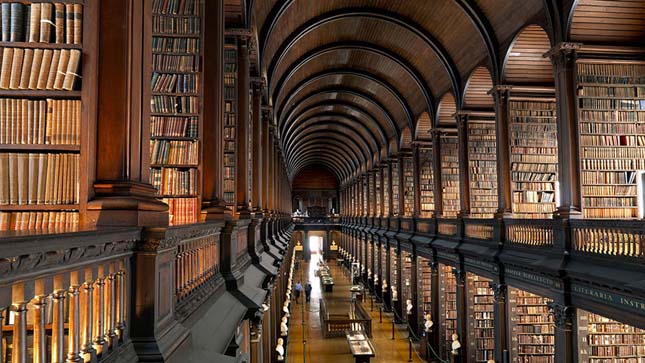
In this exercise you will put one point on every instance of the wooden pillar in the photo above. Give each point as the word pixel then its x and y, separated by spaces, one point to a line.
pixel 564 317
pixel 413 319
pixel 123 195
pixel 501 96
pixel 382 175
pixel 563 57
pixel 464 170
pixel 462 314
pixel 500 292
pixel 417 180
pixel 266 155
pixel 401 205
pixel 435 335
pixel 257 131
pixel 213 205
pixel 271 170
pixel 389 185
pixel 436 171
pixel 242 129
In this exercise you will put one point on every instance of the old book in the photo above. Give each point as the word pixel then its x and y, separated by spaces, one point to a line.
pixel 25 73
pixel 69 23
pixel 49 178
pixel 23 177
pixel 6 21
pixel 42 178
pixel 44 69
pixel 29 122
pixel 59 19
pixel 5 218
pixel 53 68
pixel 17 21
pixel 62 69
pixel 56 180
pixel 34 23
pixel 4 178
pixel 49 121
pixel 32 193
pixel 78 23
pixel 42 119
pixel 23 119
pixel 35 68
pixel 4 122
pixel 13 178
pixel 72 69
pixel 46 22
pixel 13 121
pixel 5 72
pixel 16 67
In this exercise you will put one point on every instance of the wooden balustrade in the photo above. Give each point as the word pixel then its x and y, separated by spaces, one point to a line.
pixel 196 263
pixel 609 238
pixel 529 232
pixel 479 229
pixel 64 298
pixel 447 227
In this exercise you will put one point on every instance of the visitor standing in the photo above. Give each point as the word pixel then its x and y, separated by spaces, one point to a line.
pixel 298 290
pixel 308 291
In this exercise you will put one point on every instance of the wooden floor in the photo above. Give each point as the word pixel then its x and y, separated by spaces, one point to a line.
pixel 336 350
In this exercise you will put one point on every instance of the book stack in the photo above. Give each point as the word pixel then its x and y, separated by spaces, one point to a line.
pixel 534 157
pixel 406 278
pixel 602 339
pixel 532 326
pixel 377 192
pixel 395 189
pixel 386 192
pixel 424 276
pixel 408 187
pixel 40 115
pixel 426 188
pixel 175 106
pixel 482 161
pixel 230 119
pixel 611 117
pixel 450 175
pixel 448 306
pixel 481 326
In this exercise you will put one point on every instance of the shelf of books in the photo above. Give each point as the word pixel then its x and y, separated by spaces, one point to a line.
pixel 394 274
pixel 406 280
pixel 426 189
pixel 611 114
pixel 482 161
pixel 230 118
pixel 369 265
pixel 424 286
pixel 42 115
pixel 447 306
pixel 532 328
pixel 450 175
pixel 601 340
pixel 175 107
pixel 383 265
pixel 377 191
pixel 481 325
pixel 395 189
pixel 386 192
pixel 367 197
pixel 534 157
pixel 408 186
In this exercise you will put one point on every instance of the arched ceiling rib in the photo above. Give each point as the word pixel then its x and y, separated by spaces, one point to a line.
pixel 336 140
pixel 337 126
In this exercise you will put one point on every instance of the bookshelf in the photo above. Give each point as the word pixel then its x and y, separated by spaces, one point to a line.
pixel 382 265
pixel 394 275
pixel 426 189
pixel 175 107
pixel 230 118
pixel 408 186
pixel 480 319
pixel 44 114
pixel 386 192
pixel 406 280
pixel 450 175
pixel 395 189
pixel 611 115
pixel 482 161
pixel 377 192
pixel 532 328
pixel 534 157
pixel 366 196
pixel 601 340
pixel 448 305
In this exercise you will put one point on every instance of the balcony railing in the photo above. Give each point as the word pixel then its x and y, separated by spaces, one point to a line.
pixel 481 229
pixel 529 232
pixel 613 238
pixel 447 227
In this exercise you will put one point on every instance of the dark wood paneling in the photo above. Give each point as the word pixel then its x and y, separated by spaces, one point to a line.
pixel 315 178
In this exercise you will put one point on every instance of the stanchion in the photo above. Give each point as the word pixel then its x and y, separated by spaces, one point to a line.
pixel 392 328
pixel 304 351
pixel 409 350
pixel 372 303
pixel 380 314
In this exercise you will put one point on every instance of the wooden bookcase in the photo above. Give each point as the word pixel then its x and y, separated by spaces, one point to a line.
pixel 532 328
pixel 450 175
pixel 611 115
pixel 383 266
pixel 394 276
pixel 601 340
pixel 534 157
pixel 426 189
pixel 481 327
pixel 175 117
pixel 408 186
pixel 395 189
pixel 366 196
pixel 447 306
pixel 424 278
pixel 386 191
pixel 377 192
pixel 406 280
pixel 47 113
pixel 482 161
pixel 230 119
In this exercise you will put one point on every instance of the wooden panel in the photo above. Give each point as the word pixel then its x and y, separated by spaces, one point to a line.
pixel 525 62
pixel 609 21
pixel 315 177
pixel 508 17
pixel 447 109
pixel 406 139
pixel 476 95
pixel 424 124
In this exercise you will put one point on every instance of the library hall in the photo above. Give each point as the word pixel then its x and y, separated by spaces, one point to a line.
pixel 325 181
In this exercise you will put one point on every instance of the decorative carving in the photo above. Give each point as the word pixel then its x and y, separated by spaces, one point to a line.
pixel 562 315
pixel 169 238
pixel 499 291
pixel 563 54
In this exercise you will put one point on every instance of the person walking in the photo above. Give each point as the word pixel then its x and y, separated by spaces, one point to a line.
pixel 308 291
pixel 298 290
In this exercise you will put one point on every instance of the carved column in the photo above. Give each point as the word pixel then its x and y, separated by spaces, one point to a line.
pixel 464 170
pixel 563 57
pixel 386 290
pixel 40 340
pixel 402 198
pixel 413 319
pixel 122 193
pixel 266 154
pixel 565 341
pixel 500 292
pixel 462 314
pixel 417 180
pixel 382 176
pixel 388 175
pixel 242 129
pixel 436 171
pixel 501 95
pixel 435 335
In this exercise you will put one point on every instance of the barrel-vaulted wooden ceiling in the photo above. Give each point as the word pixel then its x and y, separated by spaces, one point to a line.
pixel 347 79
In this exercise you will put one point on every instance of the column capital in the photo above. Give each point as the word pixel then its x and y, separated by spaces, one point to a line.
pixel 241 33
pixel 462 119
pixel 500 92
pixel 562 314
pixel 563 53
pixel 499 290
